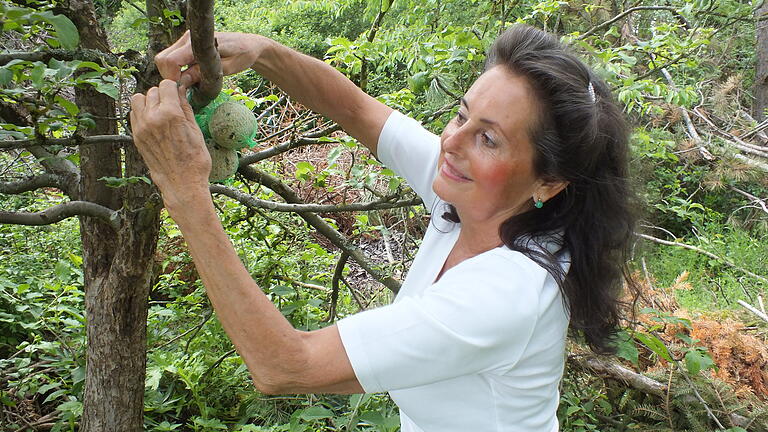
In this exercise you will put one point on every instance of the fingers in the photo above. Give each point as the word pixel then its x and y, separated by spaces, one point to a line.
pixel 170 61
pixel 153 98
pixel 189 113
pixel 168 91
pixel 138 102
pixel 190 76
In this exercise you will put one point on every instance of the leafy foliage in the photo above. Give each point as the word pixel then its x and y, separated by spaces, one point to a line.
pixel 423 57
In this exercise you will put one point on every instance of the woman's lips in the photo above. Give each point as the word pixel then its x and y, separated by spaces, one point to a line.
pixel 452 173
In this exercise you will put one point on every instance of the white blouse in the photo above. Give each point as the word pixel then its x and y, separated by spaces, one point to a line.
pixel 482 349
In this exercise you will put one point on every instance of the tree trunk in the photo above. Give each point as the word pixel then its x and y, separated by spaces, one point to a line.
pixel 116 265
pixel 761 62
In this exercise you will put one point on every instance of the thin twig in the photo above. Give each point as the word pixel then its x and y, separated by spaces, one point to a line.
pixel 754 310
pixel 703 252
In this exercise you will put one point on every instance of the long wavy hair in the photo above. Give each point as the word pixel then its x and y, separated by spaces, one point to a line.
pixel 581 136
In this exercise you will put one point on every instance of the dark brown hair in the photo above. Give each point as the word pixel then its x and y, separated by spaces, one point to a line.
pixel 580 136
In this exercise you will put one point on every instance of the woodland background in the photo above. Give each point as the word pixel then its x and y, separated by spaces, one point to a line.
pixel 87 254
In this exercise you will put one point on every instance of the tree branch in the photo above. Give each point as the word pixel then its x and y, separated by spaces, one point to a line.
pixel 253 202
pixel 60 212
pixel 754 199
pixel 629 11
pixel 754 310
pixel 703 252
pixel 637 381
pixel 371 36
pixel 32 183
pixel 323 227
pixel 200 23
pixel 308 139
pixel 66 142
pixel 96 56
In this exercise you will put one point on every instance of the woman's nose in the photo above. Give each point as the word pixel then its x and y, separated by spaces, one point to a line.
pixel 453 138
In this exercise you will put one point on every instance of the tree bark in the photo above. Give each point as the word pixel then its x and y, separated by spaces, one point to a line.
pixel 761 63
pixel 116 262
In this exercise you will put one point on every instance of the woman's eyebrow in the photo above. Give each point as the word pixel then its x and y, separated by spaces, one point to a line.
pixel 484 120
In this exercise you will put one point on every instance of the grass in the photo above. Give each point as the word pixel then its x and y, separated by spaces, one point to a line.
pixel 714 284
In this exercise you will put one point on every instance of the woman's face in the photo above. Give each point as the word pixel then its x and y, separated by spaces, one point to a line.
pixel 485 167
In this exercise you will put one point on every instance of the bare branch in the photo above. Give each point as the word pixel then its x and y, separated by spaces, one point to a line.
pixel 253 202
pixel 703 252
pixel 629 11
pixel 615 371
pixel 200 23
pixel 754 310
pixel 323 227
pixel 754 199
pixel 32 183
pixel 60 212
pixel 749 161
pixel 276 150
pixel 731 139
pixel 66 142
pixel 92 55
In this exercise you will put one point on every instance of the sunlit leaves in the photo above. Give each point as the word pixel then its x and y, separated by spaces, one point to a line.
pixel 28 21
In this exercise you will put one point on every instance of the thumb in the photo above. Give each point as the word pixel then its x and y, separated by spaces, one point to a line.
pixel 189 113
pixel 190 76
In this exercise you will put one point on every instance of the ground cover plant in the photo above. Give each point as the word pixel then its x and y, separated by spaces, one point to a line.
pixel 690 75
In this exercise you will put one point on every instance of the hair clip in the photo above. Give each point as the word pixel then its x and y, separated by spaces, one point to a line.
pixel 591 91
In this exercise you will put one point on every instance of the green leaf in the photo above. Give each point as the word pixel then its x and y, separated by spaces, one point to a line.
pixel 282 291
pixel 316 413
pixel 36 75
pixel 626 349
pixel 571 410
pixel 654 344
pixel 70 107
pixel 6 76
pixel 66 32
pixel 108 89
pixel 697 360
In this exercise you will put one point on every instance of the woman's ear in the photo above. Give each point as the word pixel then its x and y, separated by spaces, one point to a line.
pixel 549 189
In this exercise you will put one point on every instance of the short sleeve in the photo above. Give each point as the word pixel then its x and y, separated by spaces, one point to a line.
pixel 475 319
pixel 411 151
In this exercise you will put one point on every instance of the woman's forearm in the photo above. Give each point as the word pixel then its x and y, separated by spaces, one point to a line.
pixel 271 348
pixel 322 89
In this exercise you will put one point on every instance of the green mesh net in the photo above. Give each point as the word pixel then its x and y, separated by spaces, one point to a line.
pixel 203 116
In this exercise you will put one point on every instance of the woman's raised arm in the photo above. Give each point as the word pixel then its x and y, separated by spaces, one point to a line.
pixel 308 80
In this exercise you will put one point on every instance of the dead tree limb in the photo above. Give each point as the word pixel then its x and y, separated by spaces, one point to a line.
pixel 317 222
pixel 60 212
pixel 609 369
pixel 200 16
pixel 253 202
pixel 629 11
pixel 703 252
pixel 754 199
pixel 754 310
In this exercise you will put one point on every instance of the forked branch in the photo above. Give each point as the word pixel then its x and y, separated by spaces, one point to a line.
pixel 60 212
pixel 253 202
pixel 32 183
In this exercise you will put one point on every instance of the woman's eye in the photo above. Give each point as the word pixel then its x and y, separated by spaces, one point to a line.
pixel 487 140
pixel 460 118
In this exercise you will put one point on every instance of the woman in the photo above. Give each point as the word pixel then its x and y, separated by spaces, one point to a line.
pixel 529 191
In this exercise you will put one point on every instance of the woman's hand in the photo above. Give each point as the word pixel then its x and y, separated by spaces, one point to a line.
pixel 238 52
pixel 169 140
